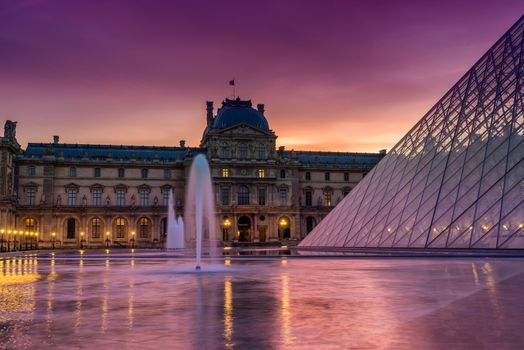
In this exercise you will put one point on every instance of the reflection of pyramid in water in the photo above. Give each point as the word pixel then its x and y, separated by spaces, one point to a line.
pixel 456 180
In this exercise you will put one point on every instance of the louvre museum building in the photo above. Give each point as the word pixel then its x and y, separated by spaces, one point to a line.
pixel 109 195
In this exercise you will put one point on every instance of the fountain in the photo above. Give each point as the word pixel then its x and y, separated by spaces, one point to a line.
pixel 175 226
pixel 199 213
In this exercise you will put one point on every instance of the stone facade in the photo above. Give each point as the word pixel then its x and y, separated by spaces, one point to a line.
pixel 106 195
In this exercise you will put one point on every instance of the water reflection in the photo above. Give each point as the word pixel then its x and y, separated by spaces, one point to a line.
pixel 272 304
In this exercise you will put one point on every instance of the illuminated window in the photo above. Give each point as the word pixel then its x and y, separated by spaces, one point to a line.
pixel 144 227
pixel 30 224
pixel 243 195
pixel 96 228
pixel 225 172
pixel 121 227
pixel 327 198
pixel 261 173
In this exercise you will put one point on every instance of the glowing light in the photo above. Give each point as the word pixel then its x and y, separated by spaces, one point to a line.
pixel 53 234
pixel 505 226
pixel 227 223
pixel 228 248
pixel 283 246
pixel 521 225
pixel 82 234
pixel 107 233
pixel 132 233
pixel 107 251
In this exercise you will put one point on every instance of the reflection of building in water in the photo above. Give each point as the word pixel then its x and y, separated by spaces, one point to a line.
pixel 107 194
pixel 17 289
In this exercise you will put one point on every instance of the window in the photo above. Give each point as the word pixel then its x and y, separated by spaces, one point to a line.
pixel 30 224
pixel 165 197
pixel 31 170
pixel 261 151
pixel 225 172
pixel 308 175
pixel 30 194
pixel 283 196
pixel 145 173
pixel 71 197
pixel 243 195
pixel 96 228
pixel 327 198
pixel 144 198
pixel 282 174
pixel 144 227
pixel 97 172
pixel 242 150
pixel 346 176
pixel 72 172
pixel 71 229
pixel 121 227
pixel 261 196
pixel 309 198
pixel 346 191
pixel 121 172
pixel 327 176
pixel 261 173
pixel 120 198
pixel 225 152
pixel 167 174
pixel 97 198
pixel 224 195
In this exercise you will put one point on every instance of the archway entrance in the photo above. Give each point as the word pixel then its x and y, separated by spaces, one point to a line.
pixel 244 229
pixel 284 230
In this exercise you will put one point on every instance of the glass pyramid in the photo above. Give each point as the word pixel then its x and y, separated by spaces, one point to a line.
pixel 456 180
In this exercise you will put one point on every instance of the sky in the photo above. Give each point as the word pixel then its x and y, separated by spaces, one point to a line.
pixel 334 75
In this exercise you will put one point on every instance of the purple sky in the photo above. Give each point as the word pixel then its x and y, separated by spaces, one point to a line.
pixel 334 75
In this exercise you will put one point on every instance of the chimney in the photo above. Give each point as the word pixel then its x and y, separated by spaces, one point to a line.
pixel 382 151
pixel 260 108
pixel 209 109
pixel 183 143
pixel 56 139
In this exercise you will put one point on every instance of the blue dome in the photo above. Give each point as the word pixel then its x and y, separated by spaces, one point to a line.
pixel 234 112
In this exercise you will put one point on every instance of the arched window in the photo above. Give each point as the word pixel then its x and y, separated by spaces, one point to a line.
pixel 243 195
pixel 144 227
pixel 30 224
pixel 96 228
pixel 71 228
pixel 121 227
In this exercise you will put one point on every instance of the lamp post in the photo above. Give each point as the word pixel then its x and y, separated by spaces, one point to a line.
pixel 81 240
pixel 15 232
pixel 53 240
pixel 8 240
pixel 26 239
pixel 2 231
pixel 133 240
pixel 107 240
pixel 227 225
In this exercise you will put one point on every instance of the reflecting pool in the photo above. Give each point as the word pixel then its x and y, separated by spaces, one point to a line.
pixel 144 301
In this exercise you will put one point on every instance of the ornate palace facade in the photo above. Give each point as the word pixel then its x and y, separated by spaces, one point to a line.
pixel 117 195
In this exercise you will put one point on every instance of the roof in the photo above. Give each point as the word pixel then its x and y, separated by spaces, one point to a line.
pixel 107 151
pixel 234 112
pixel 342 158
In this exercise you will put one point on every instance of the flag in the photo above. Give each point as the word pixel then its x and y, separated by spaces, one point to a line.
pixel 232 82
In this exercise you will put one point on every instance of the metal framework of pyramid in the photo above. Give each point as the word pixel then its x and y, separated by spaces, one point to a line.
pixel 456 180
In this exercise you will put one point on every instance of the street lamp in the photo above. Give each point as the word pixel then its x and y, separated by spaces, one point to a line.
pixel 8 240
pixel 2 231
pixel 53 240
pixel 81 240
pixel 227 225
pixel 132 239
pixel 26 238
pixel 107 240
